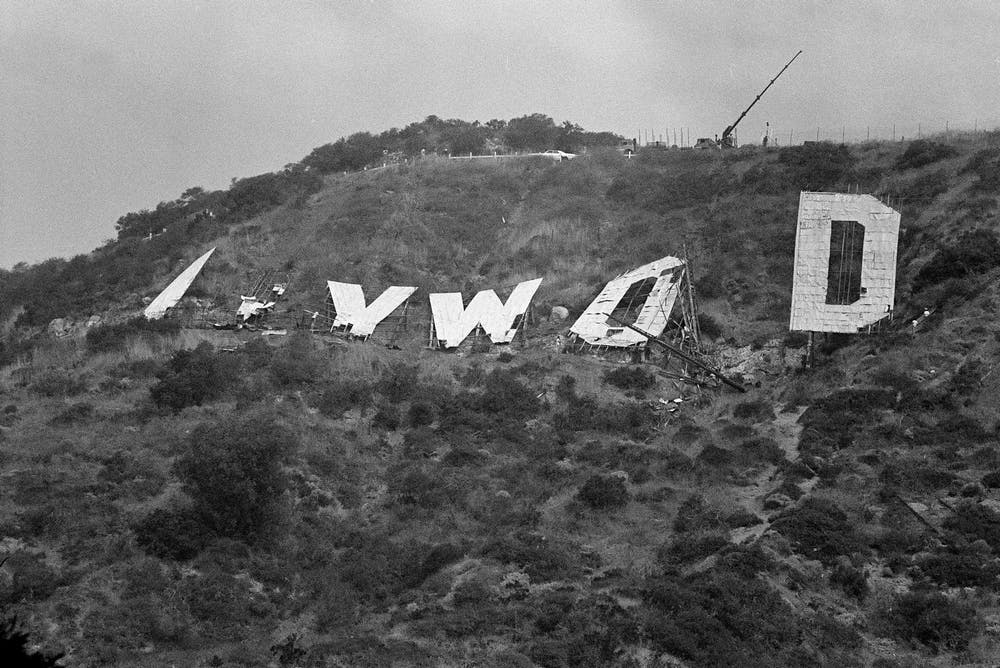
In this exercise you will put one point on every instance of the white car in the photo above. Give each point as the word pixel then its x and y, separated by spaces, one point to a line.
pixel 558 155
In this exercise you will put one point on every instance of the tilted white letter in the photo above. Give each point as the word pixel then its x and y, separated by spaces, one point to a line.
pixel 349 301
pixel 452 322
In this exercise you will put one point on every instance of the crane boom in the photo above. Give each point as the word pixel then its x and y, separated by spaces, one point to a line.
pixel 727 139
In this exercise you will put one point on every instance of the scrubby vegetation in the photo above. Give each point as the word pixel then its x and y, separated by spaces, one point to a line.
pixel 212 497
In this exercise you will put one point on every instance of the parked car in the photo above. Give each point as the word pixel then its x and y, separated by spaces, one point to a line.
pixel 558 155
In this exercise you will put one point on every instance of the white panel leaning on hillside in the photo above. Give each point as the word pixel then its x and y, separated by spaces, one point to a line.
pixel 251 306
pixel 810 311
pixel 173 292
pixel 593 326
pixel 452 322
pixel 349 301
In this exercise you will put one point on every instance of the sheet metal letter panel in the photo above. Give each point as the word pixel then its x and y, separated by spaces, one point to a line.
pixel 453 323
pixel 173 292
pixel 809 311
pixel 349 301
pixel 593 325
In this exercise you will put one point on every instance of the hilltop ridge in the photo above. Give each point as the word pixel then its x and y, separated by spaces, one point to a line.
pixel 218 498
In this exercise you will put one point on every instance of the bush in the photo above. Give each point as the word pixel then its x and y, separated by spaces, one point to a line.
pixel 632 418
pixel 820 530
pixel 566 388
pixel 603 491
pixel 933 619
pixel 74 413
pixel 14 650
pixel 694 515
pixel 718 618
pixel 387 417
pixel 687 549
pixel 923 152
pixel 709 286
pixel 852 581
pixel 816 166
pixel 968 377
pixel 708 326
pixel 542 559
pixel 232 470
pixel 992 480
pixel 31 578
pixel 176 534
pixel 297 362
pixel 417 487
pixel 975 252
pixel 985 164
pixel 835 421
pixel 961 567
pixel 760 450
pixel 420 414
pixel 630 378
pixel 713 455
pixel 742 518
pixel 655 190
pixel 340 396
pixel 398 382
pixel 974 522
pixel 420 442
pixel 192 377
pixel 745 560
pixel 755 411
pixel 107 337
pixel 57 383
pixel 505 395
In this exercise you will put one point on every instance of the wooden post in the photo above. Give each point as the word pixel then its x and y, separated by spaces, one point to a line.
pixel 693 325
pixel 810 350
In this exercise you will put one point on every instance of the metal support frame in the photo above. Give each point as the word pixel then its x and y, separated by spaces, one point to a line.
pixel 685 356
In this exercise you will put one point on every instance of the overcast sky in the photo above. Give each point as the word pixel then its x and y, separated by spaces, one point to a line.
pixel 110 107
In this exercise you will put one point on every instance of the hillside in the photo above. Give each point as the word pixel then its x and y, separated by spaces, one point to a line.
pixel 186 496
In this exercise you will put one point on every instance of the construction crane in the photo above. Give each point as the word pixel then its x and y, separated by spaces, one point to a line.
pixel 727 140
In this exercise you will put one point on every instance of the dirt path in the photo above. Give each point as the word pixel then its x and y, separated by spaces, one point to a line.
pixel 785 430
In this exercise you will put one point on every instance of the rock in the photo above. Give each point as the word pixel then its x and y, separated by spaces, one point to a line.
pixel 59 327
pixel 621 475
pixel 559 313
pixel 93 321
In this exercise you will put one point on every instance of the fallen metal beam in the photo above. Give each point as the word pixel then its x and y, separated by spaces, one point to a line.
pixel 683 355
